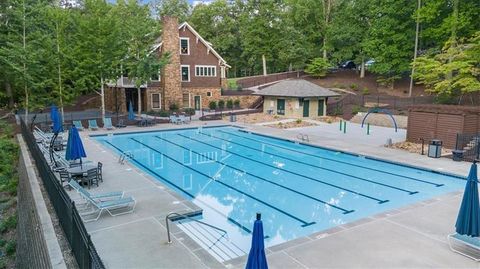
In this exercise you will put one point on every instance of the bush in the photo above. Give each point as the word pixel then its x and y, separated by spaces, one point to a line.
pixel 318 67
pixel 230 104
pixel 221 104
pixel 212 105
pixel 365 91
pixel 236 103
pixel 173 107
pixel 189 111
pixel 338 111
pixel 356 109
pixel 8 223
pixel 298 121
pixel 10 247
pixel 354 86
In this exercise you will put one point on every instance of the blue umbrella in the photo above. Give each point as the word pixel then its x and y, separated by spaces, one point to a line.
pixel 56 119
pixel 468 220
pixel 131 116
pixel 75 148
pixel 256 257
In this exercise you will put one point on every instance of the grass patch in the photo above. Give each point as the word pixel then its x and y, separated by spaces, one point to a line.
pixel 232 84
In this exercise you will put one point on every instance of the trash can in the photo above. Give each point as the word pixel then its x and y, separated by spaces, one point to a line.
pixel 233 118
pixel 457 155
pixel 435 148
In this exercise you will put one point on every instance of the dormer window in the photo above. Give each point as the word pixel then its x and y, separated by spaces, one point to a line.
pixel 184 46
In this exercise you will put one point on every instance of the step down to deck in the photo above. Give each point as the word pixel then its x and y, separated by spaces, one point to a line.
pixel 214 242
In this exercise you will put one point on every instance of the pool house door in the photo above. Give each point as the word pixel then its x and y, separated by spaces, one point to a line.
pixel 281 106
pixel 306 108
pixel 197 102
pixel 321 107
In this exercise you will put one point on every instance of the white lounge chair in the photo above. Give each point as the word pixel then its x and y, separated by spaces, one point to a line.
pixel 92 125
pixel 465 245
pixel 100 197
pixel 78 125
pixel 107 124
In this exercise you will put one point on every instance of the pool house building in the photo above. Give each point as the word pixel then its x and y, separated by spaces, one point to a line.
pixel 296 98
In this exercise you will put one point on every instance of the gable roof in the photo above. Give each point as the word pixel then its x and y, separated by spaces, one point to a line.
pixel 199 37
pixel 296 88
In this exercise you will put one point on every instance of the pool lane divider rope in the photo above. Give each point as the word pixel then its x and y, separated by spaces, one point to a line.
pixel 182 190
pixel 380 201
pixel 263 179
pixel 319 167
pixel 330 159
pixel 304 223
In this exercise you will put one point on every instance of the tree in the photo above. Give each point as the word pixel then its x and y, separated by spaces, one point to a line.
pixel 454 71
pixel 212 105
pixel 175 8
pixel 318 67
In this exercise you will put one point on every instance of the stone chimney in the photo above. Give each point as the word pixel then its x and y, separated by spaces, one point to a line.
pixel 171 79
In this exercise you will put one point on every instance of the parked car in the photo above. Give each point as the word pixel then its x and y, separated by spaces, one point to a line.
pixel 369 63
pixel 348 65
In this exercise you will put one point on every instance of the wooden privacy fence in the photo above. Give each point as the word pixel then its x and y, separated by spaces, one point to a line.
pixel 248 82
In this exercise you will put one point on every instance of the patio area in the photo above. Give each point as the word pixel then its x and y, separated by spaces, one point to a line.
pixel 413 236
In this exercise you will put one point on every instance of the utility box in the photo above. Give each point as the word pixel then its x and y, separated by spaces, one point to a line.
pixel 435 148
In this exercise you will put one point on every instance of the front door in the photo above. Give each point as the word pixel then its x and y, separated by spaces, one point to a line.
pixel 197 102
pixel 321 106
pixel 306 108
pixel 281 106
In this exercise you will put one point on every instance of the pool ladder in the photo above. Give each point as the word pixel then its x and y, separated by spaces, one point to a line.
pixel 124 156
pixel 183 216
pixel 303 137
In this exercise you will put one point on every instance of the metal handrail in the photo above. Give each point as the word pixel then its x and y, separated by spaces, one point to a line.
pixel 124 155
pixel 167 218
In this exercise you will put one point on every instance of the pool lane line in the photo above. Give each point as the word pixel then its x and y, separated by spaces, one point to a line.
pixel 182 190
pixel 293 173
pixel 319 167
pixel 305 224
pixel 261 178
pixel 330 159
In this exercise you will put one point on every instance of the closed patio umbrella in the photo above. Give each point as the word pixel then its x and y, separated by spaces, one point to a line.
pixel 256 257
pixel 468 220
pixel 56 120
pixel 75 148
pixel 131 116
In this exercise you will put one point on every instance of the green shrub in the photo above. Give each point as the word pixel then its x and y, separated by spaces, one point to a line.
pixel 298 121
pixel 356 109
pixel 318 67
pixel 189 111
pixel 212 105
pixel 338 111
pixel 11 247
pixel 221 104
pixel 354 86
pixel 236 103
pixel 163 113
pixel 173 107
pixel 365 91
pixel 8 223
pixel 230 104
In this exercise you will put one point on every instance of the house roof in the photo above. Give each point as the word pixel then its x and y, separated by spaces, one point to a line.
pixel 296 88
pixel 159 42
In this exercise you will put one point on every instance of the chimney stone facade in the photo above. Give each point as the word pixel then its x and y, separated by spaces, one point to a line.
pixel 171 79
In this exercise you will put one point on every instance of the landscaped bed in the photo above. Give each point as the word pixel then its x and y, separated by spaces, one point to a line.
pixel 416 147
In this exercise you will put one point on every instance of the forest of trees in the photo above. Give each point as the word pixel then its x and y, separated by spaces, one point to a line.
pixel 52 52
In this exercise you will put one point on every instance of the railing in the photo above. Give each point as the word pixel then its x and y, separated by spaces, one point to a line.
pixel 77 236
pixel 470 145
pixel 126 155
pixel 183 216
pixel 303 137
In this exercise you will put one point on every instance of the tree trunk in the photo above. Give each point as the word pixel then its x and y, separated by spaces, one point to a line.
pixel 264 63
pixel 417 29
pixel 362 68
pixel 139 101
pixel 8 89
pixel 102 95
pixel 24 63
pixel 60 93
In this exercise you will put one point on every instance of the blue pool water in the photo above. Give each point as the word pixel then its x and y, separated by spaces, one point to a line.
pixel 299 189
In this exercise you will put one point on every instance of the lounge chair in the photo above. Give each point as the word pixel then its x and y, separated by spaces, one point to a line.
pixel 78 124
pixel 92 125
pixel 120 124
pixel 107 124
pixel 465 245
pixel 100 197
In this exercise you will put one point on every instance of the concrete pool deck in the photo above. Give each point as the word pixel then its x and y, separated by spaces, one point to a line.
pixel 413 236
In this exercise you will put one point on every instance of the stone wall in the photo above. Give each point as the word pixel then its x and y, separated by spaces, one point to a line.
pixel 215 95
pixel 245 100
pixel 171 84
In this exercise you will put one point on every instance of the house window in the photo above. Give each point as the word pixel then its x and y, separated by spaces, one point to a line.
pixel 185 73
pixel 184 46
pixel 205 71
pixel 156 77
pixel 155 101
pixel 186 100
pixel 209 94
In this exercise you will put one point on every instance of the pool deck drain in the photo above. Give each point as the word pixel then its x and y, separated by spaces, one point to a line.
pixel 412 236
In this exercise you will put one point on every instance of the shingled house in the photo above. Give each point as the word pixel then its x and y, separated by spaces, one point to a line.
pixel 193 77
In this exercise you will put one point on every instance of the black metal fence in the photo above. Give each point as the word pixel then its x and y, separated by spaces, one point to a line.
pixel 77 236
pixel 470 145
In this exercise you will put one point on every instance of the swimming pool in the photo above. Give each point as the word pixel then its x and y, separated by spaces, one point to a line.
pixel 299 189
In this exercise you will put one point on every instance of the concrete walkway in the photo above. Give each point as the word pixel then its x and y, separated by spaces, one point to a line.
pixel 413 237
